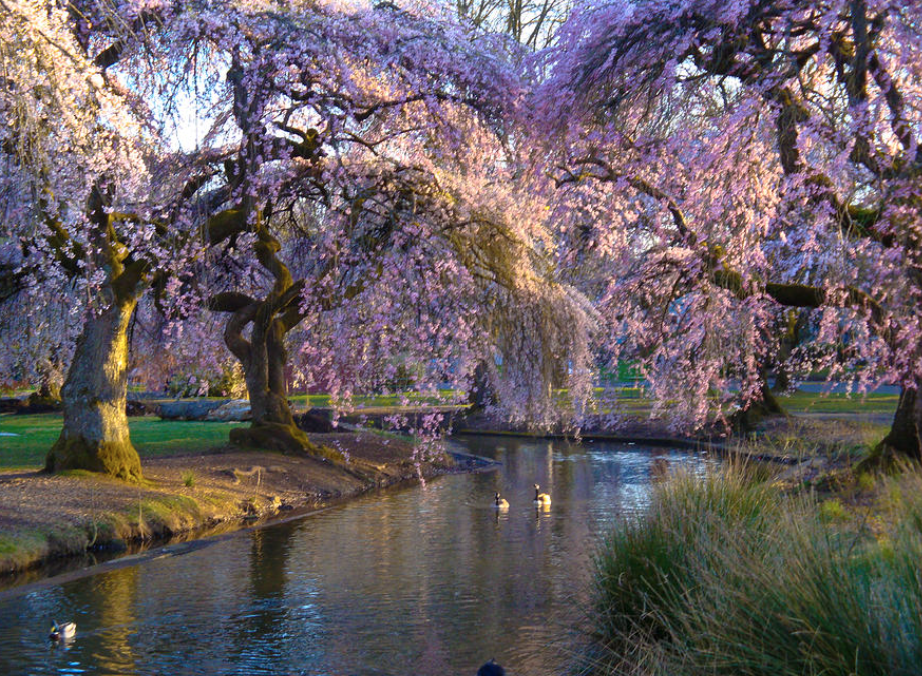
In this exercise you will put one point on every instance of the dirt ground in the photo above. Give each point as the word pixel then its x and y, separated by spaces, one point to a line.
pixel 46 516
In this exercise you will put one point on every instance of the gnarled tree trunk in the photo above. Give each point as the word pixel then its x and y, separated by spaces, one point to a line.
pixel 95 434
pixel 273 426
pixel 263 355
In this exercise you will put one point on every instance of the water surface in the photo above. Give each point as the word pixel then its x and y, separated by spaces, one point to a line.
pixel 425 580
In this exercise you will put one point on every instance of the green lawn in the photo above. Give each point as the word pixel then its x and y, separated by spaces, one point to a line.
pixel 376 400
pixel 632 401
pixel 151 436
pixel 154 437
pixel 808 402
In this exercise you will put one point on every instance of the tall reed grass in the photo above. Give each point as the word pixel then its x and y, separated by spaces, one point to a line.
pixel 724 575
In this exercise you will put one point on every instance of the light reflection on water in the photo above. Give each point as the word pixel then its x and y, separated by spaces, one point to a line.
pixel 425 580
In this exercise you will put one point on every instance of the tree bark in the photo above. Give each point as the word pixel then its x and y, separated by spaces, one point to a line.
pixel 263 356
pixel 790 339
pixel 95 433
pixel 482 394
pixel 904 441
pixel 273 426
pixel 757 410
pixel 906 432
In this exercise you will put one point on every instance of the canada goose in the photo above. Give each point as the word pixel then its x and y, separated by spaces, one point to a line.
pixel 541 498
pixel 491 668
pixel 499 503
pixel 62 631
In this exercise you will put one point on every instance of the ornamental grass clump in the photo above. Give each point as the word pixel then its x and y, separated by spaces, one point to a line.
pixel 723 576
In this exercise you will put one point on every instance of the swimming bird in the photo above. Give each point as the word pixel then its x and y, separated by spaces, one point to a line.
pixel 491 668
pixel 64 630
pixel 541 498
pixel 499 503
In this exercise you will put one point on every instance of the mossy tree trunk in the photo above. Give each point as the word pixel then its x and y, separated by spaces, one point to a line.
pixel 766 405
pixel 263 355
pixel 95 434
pixel 264 359
pixel 905 436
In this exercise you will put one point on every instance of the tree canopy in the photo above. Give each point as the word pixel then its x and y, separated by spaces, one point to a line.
pixel 732 161
pixel 333 193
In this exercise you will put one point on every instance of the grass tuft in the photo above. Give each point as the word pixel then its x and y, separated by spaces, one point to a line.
pixel 728 576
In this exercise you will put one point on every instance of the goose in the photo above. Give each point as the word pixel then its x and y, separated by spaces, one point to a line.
pixel 499 503
pixel 541 498
pixel 64 630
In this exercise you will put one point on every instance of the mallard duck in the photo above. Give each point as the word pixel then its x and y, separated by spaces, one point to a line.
pixel 64 630
pixel 541 498
pixel 499 502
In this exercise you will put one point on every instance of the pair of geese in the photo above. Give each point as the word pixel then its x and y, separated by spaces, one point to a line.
pixel 541 499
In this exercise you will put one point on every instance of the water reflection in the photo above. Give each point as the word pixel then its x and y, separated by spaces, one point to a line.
pixel 426 580
pixel 117 600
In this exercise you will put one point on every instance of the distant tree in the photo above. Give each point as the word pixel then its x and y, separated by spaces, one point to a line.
pixel 533 23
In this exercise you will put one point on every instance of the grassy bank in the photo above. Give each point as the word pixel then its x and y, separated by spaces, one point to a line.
pixel 154 516
pixel 730 576
pixel 44 517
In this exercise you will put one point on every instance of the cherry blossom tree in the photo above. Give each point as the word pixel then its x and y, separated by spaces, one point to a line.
pixel 347 159
pixel 727 161
pixel 96 196
pixel 385 181
pixel 71 160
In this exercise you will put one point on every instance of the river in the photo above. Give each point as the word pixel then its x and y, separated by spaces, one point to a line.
pixel 426 580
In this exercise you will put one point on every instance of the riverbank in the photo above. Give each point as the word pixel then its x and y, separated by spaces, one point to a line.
pixel 807 447
pixel 196 492
pixel 46 517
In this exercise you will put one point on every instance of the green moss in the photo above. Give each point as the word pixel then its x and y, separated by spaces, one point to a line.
pixel 286 439
pixel 27 547
pixel 118 459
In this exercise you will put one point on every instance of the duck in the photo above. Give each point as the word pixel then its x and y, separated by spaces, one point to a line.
pixel 541 498
pixel 499 502
pixel 491 668
pixel 65 630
